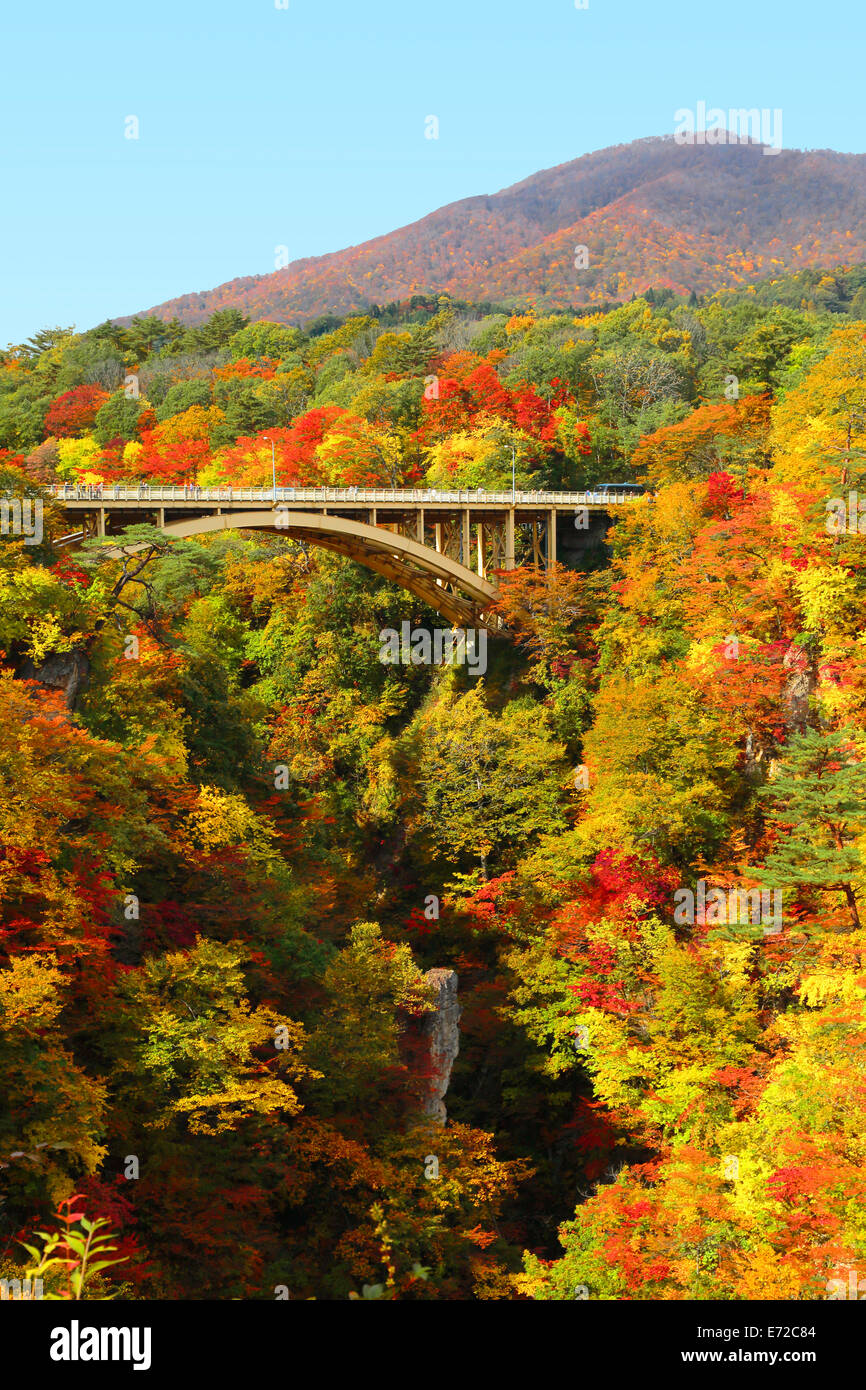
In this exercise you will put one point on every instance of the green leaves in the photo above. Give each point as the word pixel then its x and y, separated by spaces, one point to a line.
pixel 79 1250
pixel 817 814
pixel 488 783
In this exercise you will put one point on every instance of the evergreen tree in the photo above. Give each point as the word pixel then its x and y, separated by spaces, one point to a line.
pixel 818 812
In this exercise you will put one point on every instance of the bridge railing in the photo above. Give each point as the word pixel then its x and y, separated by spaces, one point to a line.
pixel 346 497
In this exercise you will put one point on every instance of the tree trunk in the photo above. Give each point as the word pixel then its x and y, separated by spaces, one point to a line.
pixel 852 907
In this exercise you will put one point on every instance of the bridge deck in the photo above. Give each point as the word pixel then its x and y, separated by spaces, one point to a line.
pixel 133 496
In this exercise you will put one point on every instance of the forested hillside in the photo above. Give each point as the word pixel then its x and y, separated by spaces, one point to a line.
pixel 234 846
pixel 612 223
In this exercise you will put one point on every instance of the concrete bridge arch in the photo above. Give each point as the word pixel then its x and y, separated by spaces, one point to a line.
pixel 448 586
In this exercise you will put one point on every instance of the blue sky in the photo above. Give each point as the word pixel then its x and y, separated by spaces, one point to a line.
pixel 303 127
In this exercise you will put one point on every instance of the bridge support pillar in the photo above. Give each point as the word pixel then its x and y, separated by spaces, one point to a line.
pixel 465 539
pixel 509 539
pixel 536 544
pixel 420 522
pixel 160 518
pixel 437 532
pixel 479 529
pixel 373 521
pixel 101 526
pixel 551 537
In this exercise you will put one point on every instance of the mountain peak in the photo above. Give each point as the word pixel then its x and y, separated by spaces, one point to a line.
pixel 597 228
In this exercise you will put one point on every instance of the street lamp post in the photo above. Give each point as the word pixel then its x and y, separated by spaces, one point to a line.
pixel 273 465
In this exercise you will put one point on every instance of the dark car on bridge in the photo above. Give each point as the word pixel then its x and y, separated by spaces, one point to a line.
pixel 620 487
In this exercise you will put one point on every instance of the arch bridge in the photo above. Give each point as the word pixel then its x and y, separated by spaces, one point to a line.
pixel 444 547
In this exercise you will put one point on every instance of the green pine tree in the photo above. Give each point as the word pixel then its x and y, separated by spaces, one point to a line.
pixel 818 800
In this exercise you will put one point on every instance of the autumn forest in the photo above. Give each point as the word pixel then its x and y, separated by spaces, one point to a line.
pixel 235 841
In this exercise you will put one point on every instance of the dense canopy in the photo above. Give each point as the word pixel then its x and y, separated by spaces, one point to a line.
pixel 233 840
